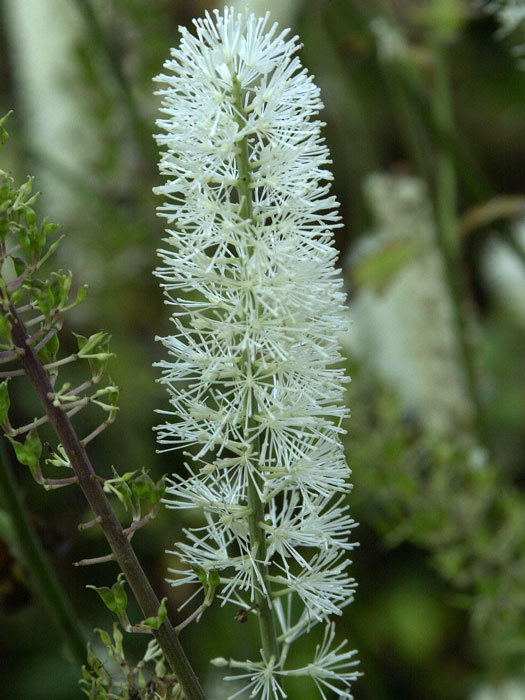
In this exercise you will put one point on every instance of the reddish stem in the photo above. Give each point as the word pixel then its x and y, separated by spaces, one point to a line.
pixel 90 485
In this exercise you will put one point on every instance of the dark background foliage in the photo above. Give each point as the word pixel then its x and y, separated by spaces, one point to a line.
pixel 440 608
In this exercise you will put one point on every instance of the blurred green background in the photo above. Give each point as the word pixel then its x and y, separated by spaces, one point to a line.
pixel 425 119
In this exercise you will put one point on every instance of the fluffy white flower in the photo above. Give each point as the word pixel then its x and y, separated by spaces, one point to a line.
pixel 331 666
pixel 508 690
pixel 403 320
pixel 510 14
pixel 391 44
pixel 263 678
pixel 331 669
pixel 249 268
pixel 511 19
pixel 505 274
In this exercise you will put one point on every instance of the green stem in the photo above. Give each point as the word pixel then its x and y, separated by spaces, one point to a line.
pixel 263 600
pixel 34 560
pixel 410 129
pixel 97 499
pixel 257 537
pixel 448 237
pixel 466 166
pixel 243 155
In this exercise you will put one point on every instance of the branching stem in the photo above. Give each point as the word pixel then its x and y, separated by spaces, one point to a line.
pixel 93 491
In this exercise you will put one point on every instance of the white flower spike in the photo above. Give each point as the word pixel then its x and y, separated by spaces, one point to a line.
pixel 249 268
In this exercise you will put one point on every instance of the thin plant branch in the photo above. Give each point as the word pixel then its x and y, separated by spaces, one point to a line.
pixel 88 481
pixel 449 240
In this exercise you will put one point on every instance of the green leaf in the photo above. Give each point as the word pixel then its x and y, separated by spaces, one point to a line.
pixel 49 351
pixel 143 488
pixel 120 488
pixel 150 623
pixel 86 345
pixel 23 193
pixel 33 444
pixel 5 329
pixel 60 289
pixel 53 345
pixel 81 341
pixel 49 228
pixel 127 476
pixel 153 623
pixel 119 595
pixel 19 265
pixel 50 295
pixel 39 241
pixel 91 658
pixel 30 216
pixel 118 637
pixel 3 133
pixel 214 579
pixel 113 397
pixel 53 245
pixel 44 306
pixel 4 226
pixel 4 404
pixel 25 241
pixel 17 295
pixel 379 269
pixel 29 452
pixel 104 636
pixel 123 493
pixel 200 573
pixel 114 598
pixel 106 595
pixel 160 489
pixel 163 612
pixel 81 294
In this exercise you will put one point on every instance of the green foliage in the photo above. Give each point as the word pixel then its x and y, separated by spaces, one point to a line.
pixel 453 502
pixel 378 269
pixel 38 302
pixel 3 133
pixel 136 490
pixel 114 598
pixel 117 678
pixel 4 404
pixel 28 453
pixel 153 623
pixel 5 331
pixel 41 302
pixel 406 491
pixel 145 489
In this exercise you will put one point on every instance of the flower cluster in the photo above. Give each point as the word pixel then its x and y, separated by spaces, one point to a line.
pixel 403 320
pixel 504 273
pixel 255 390
pixel 510 15
pixel 507 690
